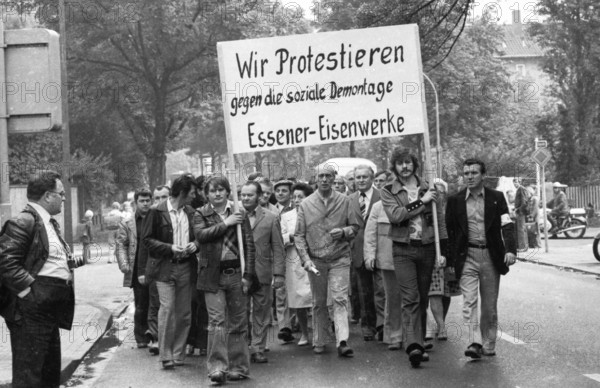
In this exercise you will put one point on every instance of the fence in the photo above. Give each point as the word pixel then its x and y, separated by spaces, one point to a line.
pixel 581 196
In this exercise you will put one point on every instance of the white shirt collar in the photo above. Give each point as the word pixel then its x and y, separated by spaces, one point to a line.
pixel 227 207
pixel 41 211
pixel 369 193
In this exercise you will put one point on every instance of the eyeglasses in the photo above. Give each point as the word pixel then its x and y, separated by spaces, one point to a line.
pixel 61 193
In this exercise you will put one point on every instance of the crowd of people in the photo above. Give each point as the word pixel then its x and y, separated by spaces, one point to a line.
pixel 211 276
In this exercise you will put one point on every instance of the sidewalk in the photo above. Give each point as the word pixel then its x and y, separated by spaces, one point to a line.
pixel 100 296
pixel 567 254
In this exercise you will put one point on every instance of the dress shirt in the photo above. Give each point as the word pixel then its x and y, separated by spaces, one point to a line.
pixel 56 265
pixel 226 253
pixel 317 216
pixel 252 217
pixel 476 217
pixel 368 196
pixel 181 226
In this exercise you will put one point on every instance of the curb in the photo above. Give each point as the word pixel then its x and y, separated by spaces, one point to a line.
pixel 68 368
pixel 559 267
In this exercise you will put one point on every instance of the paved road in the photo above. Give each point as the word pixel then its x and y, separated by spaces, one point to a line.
pixel 548 339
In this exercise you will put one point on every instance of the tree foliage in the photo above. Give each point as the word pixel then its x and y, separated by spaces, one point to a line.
pixel 570 37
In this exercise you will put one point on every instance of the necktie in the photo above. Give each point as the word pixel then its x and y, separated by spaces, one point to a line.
pixel 362 200
pixel 64 243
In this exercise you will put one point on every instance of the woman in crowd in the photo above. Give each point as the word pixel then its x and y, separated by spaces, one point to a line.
pixel 296 279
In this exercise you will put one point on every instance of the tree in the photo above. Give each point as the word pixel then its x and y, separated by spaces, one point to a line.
pixel 440 22
pixel 570 37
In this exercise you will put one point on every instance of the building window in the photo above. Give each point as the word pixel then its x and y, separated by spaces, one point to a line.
pixel 521 70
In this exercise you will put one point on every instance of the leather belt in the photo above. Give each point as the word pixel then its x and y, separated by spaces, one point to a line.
pixel 181 260
pixel 231 271
pixel 53 280
pixel 414 243
pixel 478 246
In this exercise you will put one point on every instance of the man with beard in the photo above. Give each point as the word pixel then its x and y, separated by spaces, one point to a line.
pixel 408 203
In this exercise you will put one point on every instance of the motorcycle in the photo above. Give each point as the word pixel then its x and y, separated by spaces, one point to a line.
pixel 574 225
pixel 596 248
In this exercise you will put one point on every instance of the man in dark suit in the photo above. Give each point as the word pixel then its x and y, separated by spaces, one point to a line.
pixel 167 232
pixel 361 202
pixel 269 266
pixel 481 246
pixel 36 266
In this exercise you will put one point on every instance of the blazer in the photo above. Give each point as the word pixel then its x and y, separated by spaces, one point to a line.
pixel 209 230
pixel 157 236
pixel 377 244
pixel 23 252
pixel 270 251
pixel 126 249
pixel 357 245
pixel 500 239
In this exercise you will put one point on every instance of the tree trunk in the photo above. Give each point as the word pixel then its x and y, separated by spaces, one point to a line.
pixel 384 150
pixel 157 172
pixel 258 159
pixel 352 150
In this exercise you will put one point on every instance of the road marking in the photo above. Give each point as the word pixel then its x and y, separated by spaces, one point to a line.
pixel 595 376
pixel 509 338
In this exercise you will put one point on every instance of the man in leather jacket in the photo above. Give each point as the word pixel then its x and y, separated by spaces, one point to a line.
pixel 36 266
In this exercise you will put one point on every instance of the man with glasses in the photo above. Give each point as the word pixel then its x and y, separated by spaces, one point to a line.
pixel 324 230
pixel 36 265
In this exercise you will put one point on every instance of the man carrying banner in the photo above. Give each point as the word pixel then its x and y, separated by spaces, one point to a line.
pixel 408 203
pixel 220 277
pixel 324 230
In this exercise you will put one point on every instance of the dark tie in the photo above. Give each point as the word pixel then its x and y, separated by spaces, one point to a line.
pixel 362 200
pixel 64 243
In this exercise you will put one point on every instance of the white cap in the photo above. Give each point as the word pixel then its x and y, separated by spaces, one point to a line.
pixel 89 213
pixel 558 184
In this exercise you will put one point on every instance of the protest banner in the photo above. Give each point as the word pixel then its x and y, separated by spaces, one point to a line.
pixel 313 89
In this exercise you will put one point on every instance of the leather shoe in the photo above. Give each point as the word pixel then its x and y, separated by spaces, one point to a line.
pixel 236 376
pixel 218 377
pixel 258 358
pixel 344 350
pixel 489 353
pixel 319 349
pixel 142 345
pixel 178 363
pixel 474 351
pixel 415 357
pixel 285 335
pixel 168 364
pixel 154 350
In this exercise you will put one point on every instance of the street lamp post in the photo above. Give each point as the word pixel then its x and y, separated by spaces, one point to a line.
pixel 438 146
